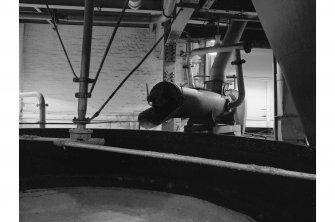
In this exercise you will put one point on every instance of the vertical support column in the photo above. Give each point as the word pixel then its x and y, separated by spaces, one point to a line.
pixel 81 133
pixel 85 63
pixel 275 102
pixel 169 68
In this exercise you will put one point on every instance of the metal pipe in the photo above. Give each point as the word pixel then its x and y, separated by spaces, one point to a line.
pixel 171 101
pixel 233 35
pixel 240 81
pixel 251 168
pixel 41 105
pixel 169 6
pixel 85 64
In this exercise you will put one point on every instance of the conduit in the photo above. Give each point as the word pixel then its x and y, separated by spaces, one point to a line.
pixel 41 104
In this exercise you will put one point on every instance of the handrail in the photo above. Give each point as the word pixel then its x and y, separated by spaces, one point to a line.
pixel 41 104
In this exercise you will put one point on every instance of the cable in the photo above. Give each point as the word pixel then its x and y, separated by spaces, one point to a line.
pixel 53 21
pixel 109 45
pixel 167 29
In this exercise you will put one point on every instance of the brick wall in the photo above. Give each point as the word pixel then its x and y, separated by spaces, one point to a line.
pixel 45 69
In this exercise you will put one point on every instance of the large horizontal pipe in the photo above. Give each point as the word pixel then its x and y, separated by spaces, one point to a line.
pixel 41 104
pixel 181 158
pixel 171 101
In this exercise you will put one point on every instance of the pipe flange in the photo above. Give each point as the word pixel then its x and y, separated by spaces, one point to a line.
pixel 78 121
pixel 81 79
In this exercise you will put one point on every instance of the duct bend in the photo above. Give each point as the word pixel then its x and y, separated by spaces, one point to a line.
pixel 232 36
pixel 168 9
pixel 171 101
pixel 41 104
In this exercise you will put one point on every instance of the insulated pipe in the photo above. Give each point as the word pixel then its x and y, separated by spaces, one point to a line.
pixel 85 64
pixel 290 28
pixel 41 104
pixel 171 101
pixel 169 6
pixel 240 81
pixel 233 35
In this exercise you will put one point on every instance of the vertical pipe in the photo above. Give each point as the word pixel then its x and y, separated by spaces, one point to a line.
pixel 275 101
pixel 240 81
pixel 233 35
pixel 85 63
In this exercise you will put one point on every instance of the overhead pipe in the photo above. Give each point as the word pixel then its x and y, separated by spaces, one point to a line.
pixel 171 101
pixel 168 9
pixel 41 104
pixel 290 28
